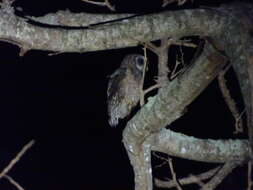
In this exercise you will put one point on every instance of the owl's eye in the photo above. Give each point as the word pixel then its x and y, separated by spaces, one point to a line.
pixel 140 63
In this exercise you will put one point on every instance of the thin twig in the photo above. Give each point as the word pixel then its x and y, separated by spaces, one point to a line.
pixel 55 53
pixel 163 68
pixel 152 88
pixel 152 47
pixel 16 159
pixel 162 164
pixel 94 2
pixel 165 160
pixel 13 182
pixel 174 73
pixel 188 180
pixel 198 181
pixel 160 157
pixel 239 123
pixel 142 98
pixel 109 5
pixel 166 2
pixel 230 101
pixel 198 51
pixel 179 2
pixel 249 176
pixel 221 174
pixel 186 44
pixel 106 3
pixel 174 176
pixel 182 55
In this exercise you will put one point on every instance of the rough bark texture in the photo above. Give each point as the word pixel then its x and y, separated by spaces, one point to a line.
pixel 119 34
pixel 68 19
pixel 203 150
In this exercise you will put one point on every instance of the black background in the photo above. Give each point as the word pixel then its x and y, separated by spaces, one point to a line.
pixel 60 101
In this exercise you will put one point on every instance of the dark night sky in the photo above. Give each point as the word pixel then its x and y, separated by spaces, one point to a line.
pixel 60 101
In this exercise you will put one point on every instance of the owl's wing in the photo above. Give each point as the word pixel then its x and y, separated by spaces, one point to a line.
pixel 115 81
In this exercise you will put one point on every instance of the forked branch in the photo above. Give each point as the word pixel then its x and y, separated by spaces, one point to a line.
pixel 3 174
pixel 156 114
pixel 187 180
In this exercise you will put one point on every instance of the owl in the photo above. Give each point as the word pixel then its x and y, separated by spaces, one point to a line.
pixel 123 92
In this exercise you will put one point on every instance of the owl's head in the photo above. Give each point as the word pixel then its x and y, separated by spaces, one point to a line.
pixel 135 62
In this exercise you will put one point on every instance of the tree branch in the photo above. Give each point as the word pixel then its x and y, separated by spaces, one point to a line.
pixel 16 159
pixel 106 3
pixel 13 182
pixel 118 34
pixel 174 176
pixel 203 150
pixel 230 101
pixel 222 173
pixel 163 62
pixel 171 100
pixel 168 106
pixel 12 163
pixel 187 180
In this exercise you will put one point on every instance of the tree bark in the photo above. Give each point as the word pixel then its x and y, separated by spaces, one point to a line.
pixel 161 110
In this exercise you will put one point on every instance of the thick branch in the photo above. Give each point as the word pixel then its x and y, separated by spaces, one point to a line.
pixel 142 167
pixel 204 150
pixel 118 34
pixel 166 107
pixel 171 100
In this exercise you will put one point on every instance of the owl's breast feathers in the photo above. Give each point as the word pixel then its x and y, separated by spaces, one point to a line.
pixel 115 82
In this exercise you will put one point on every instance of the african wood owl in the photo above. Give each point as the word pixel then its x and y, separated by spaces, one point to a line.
pixel 123 92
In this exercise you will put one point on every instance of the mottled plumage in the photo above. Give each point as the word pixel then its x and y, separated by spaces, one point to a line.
pixel 124 86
